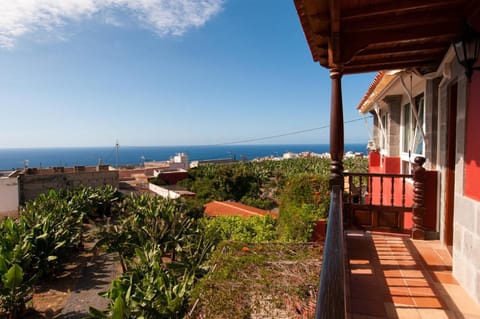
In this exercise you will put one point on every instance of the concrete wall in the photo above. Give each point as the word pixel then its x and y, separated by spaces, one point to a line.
pixel 393 133
pixel 466 220
pixel 8 196
pixel 32 185
pixel 165 193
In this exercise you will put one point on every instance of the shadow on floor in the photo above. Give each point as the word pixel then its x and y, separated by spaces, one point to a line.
pixel 391 276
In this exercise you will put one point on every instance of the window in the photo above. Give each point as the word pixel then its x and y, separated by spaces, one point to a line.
pixel 418 132
pixel 412 132
pixel 407 127
pixel 384 131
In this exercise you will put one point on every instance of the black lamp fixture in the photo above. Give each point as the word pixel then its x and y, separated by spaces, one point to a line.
pixel 467 48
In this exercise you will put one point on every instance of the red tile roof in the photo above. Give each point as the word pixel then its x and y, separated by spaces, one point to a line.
pixel 215 209
pixel 372 87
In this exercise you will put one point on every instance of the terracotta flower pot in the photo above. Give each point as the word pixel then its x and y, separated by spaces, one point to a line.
pixel 320 230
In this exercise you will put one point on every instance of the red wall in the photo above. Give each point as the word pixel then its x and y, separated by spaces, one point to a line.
pixel 373 159
pixel 391 165
pixel 472 140
pixel 172 178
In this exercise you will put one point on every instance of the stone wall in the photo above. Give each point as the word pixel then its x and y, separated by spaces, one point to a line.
pixel 466 222
pixel 32 185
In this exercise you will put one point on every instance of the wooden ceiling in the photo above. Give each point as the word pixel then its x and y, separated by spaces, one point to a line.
pixel 372 35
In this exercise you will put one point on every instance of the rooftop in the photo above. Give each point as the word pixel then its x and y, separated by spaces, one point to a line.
pixel 215 209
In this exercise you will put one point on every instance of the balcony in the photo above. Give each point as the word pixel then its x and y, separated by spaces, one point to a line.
pixel 392 276
pixel 369 274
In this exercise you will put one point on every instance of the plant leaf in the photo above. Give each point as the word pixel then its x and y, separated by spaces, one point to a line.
pixel 95 313
pixel 118 308
pixel 13 277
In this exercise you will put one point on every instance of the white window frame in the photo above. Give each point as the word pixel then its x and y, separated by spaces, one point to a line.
pixel 408 155
pixel 384 132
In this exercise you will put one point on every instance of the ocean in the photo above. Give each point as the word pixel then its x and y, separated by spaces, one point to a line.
pixel 46 157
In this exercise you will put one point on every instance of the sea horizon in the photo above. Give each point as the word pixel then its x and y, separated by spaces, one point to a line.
pixel 15 158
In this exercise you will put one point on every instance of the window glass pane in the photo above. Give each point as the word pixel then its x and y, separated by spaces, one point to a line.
pixel 418 147
pixel 407 129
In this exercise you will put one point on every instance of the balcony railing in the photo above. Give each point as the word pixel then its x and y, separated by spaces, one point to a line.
pixel 378 189
pixel 376 201
pixel 358 190
pixel 331 298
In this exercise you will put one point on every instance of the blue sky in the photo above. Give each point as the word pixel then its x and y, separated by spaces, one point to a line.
pixel 163 72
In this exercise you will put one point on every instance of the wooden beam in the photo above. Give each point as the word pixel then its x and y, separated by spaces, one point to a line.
pixel 354 43
pixel 473 8
pixel 398 7
pixel 334 45
pixel 396 22
pixel 398 56
pixel 390 65
pixel 397 47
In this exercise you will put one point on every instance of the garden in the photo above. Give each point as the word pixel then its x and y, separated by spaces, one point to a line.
pixel 172 261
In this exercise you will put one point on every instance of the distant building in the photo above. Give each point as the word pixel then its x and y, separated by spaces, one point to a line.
pixel 171 172
pixel 9 195
pixel 216 209
pixel 170 191
pixel 171 176
pixel 212 161
pixel 179 161
pixel 289 155
pixel 35 181
pixel 156 164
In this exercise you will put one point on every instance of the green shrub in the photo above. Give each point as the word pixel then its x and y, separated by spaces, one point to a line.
pixel 304 199
pixel 255 229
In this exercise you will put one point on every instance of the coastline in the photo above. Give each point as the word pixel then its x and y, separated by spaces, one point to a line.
pixel 135 155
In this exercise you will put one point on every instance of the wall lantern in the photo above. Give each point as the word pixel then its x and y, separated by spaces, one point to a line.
pixel 467 48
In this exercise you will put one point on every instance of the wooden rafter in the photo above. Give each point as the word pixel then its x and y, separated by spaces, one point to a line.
pixel 367 35
pixel 396 8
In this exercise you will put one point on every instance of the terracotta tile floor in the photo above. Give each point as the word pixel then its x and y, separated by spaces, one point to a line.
pixel 392 276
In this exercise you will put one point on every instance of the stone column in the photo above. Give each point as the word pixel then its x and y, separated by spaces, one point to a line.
pixel 336 129
pixel 394 110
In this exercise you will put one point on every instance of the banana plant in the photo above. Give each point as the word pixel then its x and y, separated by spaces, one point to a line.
pixel 148 290
pixel 15 253
pixel 14 290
